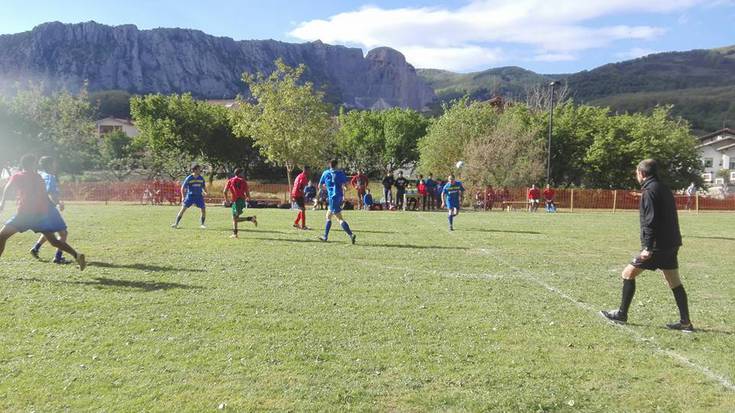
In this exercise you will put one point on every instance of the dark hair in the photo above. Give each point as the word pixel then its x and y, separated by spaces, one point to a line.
pixel 648 167
pixel 196 166
pixel 28 162
pixel 46 163
pixel 238 171
pixel 333 163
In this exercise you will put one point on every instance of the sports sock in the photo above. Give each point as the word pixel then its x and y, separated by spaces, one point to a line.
pixel 628 292
pixel 298 218
pixel 203 219
pixel 37 247
pixel 451 219
pixel 346 228
pixel 58 255
pixel 680 295
pixel 178 218
pixel 327 228
pixel 303 219
pixel 234 231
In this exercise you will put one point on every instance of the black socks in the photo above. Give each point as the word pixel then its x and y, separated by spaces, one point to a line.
pixel 680 295
pixel 628 293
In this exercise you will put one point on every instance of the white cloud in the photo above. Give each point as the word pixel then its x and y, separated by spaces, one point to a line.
pixel 474 35
pixel 555 57
pixel 634 53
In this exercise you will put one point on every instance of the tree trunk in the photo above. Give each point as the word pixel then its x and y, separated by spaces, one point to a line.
pixel 289 170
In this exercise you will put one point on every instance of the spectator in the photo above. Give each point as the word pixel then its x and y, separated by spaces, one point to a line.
pixel 413 198
pixel 479 200
pixel 400 184
pixel 489 197
pixel 360 183
pixel 691 193
pixel 388 182
pixel 310 194
pixel 367 200
pixel 430 185
pixel 549 195
pixel 421 187
pixel 438 192
pixel 534 198
pixel 322 199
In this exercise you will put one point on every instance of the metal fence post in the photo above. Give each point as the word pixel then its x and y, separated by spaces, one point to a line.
pixel 571 202
pixel 697 203
pixel 615 200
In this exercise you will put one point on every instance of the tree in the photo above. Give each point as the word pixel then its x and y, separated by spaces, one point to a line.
pixel 446 138
pixel 289 121
pixel 403 128
pixel 510 153
pixel 118 156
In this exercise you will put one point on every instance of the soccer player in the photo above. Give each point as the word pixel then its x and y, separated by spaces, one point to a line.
pixel 195 188
pixel 49 166
pixel 400 185
pixel 430 185
pixel 388 182
pixel 298 196
pixel 239 190
pixel 660 242
pixel 35 211
pixel 334 180
pixel 360 183
pixel 452 196
pixel 534 198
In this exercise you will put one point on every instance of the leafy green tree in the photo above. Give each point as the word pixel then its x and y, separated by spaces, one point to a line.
pixel 288 120
pixel 403 128
pixel 447 137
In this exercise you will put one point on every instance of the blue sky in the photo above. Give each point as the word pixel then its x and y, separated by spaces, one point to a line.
pixel 551 36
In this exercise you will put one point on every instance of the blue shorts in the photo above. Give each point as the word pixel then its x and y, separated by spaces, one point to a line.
pixel 50 222
pixel 194 200
pixel 452 206
pixel 335 205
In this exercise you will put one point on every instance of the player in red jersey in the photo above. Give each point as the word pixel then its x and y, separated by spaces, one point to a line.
pixel 297 196
pixel 360 183
pixel 34 210
pixel 549 195
pixel 238 187
pixel 534 198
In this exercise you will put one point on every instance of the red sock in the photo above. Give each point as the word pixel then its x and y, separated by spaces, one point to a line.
pixel 298 218
pixel 303 219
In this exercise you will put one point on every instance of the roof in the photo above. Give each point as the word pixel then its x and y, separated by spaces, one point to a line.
pixel 725 131
pixel 718 142
pixel 117 120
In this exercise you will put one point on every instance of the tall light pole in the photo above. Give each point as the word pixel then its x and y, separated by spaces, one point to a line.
pixel 551 128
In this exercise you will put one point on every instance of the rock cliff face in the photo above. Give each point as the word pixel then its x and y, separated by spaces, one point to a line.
pixel 64 56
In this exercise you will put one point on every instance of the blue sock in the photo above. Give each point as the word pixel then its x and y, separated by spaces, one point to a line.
pixel 178 218
pixel 327 228
pixel 451 219
pixel 346 228
pixel 58 255
pixel 37 247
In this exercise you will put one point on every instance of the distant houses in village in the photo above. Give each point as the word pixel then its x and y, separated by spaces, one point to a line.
pixel 718 153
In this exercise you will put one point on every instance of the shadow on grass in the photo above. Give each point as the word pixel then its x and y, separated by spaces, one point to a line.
pixel 716 238
pixel 411 246
pixel 281 239
pixel 109 282
pixel 142 267
pixel 502 231
pixel 360 231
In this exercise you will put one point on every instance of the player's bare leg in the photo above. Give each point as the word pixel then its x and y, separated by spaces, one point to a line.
pixel 203 218
pixel 5 233
pixel 62 245
pixel 179 216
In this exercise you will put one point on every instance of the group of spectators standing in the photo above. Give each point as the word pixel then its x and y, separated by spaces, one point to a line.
pixel 487 198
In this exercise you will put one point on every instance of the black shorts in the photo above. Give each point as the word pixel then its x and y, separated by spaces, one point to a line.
pixel 300 202
pixel 660 260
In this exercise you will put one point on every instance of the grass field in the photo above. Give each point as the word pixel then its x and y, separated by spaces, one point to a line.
pixel 499 315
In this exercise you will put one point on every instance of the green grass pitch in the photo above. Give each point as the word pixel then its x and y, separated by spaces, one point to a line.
pixel 499 315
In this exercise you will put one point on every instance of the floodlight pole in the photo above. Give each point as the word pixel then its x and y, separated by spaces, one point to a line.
pixel 551 128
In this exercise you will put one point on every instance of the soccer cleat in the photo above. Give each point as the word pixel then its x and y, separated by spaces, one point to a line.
pixel 306 228
pixel 34 253
pixel 683 327
pixel 61 261
pixel 451 228
pixel 175 226
pixel 234 236
pixel 353 238
pixel 297 226
pixel 255 221
pixel 82 261
pixel 203 226
pixel 323 238
pixel 615 316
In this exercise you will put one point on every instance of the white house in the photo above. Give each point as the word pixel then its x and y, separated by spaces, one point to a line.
pixel 718 152
pixel 107 125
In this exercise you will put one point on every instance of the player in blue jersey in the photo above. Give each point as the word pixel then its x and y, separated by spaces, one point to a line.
pixel 452 196
pixel 49 168
pixel 194 186
pixel 334 181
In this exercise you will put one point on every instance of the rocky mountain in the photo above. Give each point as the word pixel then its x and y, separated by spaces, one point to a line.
pixel 699 83
pixel 65 56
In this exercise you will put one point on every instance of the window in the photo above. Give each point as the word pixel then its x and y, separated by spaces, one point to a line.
pixel 732 165
pixel 707 162
pixel 707 177
pixel 719 181
pixel 732 175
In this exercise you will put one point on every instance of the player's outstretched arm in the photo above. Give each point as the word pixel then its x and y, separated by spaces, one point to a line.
pixel 5 192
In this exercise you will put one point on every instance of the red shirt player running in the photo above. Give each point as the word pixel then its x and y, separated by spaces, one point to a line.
pixel 297 196
pixel 239 190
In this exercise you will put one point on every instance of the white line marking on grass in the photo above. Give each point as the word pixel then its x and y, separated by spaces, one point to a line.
pixel 720 378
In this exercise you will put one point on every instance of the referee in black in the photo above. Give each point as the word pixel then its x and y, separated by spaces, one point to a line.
pixel 660 242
